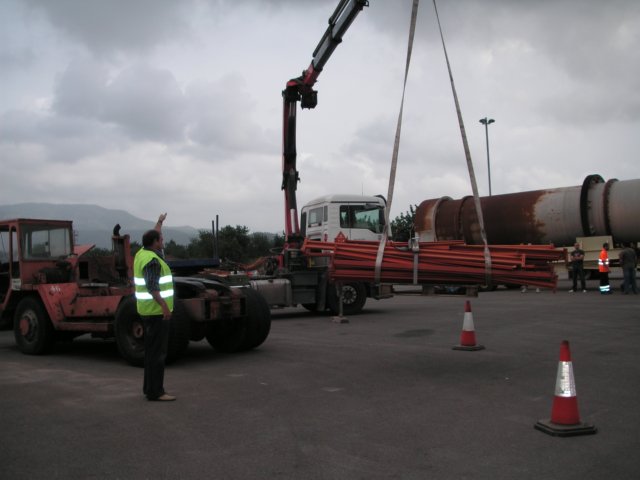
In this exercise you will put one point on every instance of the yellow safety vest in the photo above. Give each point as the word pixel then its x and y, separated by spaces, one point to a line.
pixel 146 305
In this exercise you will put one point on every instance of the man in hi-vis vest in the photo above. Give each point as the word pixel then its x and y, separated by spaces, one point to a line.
pixel 154 299
pixel 603 268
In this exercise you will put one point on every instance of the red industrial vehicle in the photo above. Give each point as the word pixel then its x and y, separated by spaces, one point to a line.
pixel 294 279
pixel 54 290
pixel 300 89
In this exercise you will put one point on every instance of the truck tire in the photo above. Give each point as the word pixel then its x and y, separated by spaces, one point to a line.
pixel 32 327
pixel 258 319
pixel 228 336
pixel 179 332
pixel 354 297
pixel 129 331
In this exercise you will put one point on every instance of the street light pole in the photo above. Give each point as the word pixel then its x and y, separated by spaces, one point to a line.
pixel 486 122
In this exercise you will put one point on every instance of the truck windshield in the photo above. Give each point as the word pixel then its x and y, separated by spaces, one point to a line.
pixel 43 241
pixel 361 216
pixel 6 255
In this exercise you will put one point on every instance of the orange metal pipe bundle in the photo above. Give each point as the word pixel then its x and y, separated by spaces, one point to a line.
pixel 450 262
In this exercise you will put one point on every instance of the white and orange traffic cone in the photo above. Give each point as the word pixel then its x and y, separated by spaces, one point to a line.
pixel 565 419
pixel 468 335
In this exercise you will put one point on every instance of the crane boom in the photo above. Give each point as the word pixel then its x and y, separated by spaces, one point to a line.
pixel 300 89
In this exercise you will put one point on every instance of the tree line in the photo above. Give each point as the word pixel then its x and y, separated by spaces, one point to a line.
pixel 234 245
pixel 238 245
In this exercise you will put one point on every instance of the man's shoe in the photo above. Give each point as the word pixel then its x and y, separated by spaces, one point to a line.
pixel 584 291
pixel 165 397
pixel 571 291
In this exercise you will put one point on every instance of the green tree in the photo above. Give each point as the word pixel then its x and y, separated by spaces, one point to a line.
pixel 173 250
pixel 259 246
pixel 403 227
pixel 201 246
pixel 278 241
pixel 233 243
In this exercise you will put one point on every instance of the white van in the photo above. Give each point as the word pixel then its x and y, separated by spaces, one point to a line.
pixel 351 217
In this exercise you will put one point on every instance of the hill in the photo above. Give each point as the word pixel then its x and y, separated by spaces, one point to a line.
pixel 94 224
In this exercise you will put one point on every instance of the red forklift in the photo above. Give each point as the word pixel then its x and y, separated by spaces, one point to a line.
pixel 52 290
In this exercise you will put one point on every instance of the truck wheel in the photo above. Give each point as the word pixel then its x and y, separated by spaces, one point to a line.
pixel 258 319
pixel 130 332
pixel 32 327
pixel 178 332
pixel 227 336
pixel 354 296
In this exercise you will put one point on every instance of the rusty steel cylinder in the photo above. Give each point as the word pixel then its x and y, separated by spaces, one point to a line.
pixel 555 216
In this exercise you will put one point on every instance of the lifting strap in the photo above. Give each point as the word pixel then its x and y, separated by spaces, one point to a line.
pixel 472 176
pixel 396 146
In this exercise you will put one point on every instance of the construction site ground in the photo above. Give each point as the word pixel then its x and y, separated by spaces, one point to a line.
pixel 382 396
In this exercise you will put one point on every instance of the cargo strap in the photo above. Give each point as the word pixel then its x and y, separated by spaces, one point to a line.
pixel 472 176
pixel 396 145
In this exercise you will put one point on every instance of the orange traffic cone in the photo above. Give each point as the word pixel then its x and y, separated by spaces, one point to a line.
pixel 468 335
pixel 565 419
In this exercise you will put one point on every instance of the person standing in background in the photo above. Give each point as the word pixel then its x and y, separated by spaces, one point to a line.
pixel 577 268
pixel 629 262
pixel 603 268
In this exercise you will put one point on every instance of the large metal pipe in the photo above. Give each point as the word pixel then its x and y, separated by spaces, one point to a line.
pixel 554 216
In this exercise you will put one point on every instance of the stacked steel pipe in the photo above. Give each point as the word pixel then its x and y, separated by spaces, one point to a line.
pixel 440 263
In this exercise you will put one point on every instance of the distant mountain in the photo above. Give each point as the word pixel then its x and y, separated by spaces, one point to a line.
pixel 94 224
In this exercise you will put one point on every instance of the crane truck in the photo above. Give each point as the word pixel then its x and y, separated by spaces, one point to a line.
pixel 54 290
pixel 292 278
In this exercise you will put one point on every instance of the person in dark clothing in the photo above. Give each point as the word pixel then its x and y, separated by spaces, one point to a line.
pixel 629 262
pixel 154 301
pixel 577 268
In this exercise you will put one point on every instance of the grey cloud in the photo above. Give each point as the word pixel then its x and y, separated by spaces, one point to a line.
pixel 567 61
pixel 144 102
pixel 17 127
pixel 548 71
pixel 81 89
pixel 147 103
pixel 26 127
pixel 117 25
pixel 221 116
pixel 16 59
pixel 57 139
pixel 584 106
pixel 373 139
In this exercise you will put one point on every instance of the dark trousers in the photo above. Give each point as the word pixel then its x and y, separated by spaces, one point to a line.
pixel 630 280
pixel 575 272
pixel 156 339
pixel 604 283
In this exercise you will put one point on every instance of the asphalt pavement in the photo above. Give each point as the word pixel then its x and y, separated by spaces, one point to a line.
pixel 383 396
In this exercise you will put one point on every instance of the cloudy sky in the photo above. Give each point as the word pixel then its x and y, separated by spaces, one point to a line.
pixel 160 105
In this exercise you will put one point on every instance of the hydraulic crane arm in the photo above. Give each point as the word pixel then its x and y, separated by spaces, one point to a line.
pixel 301 90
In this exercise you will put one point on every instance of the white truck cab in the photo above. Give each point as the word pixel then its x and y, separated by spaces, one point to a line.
pixel 352 217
